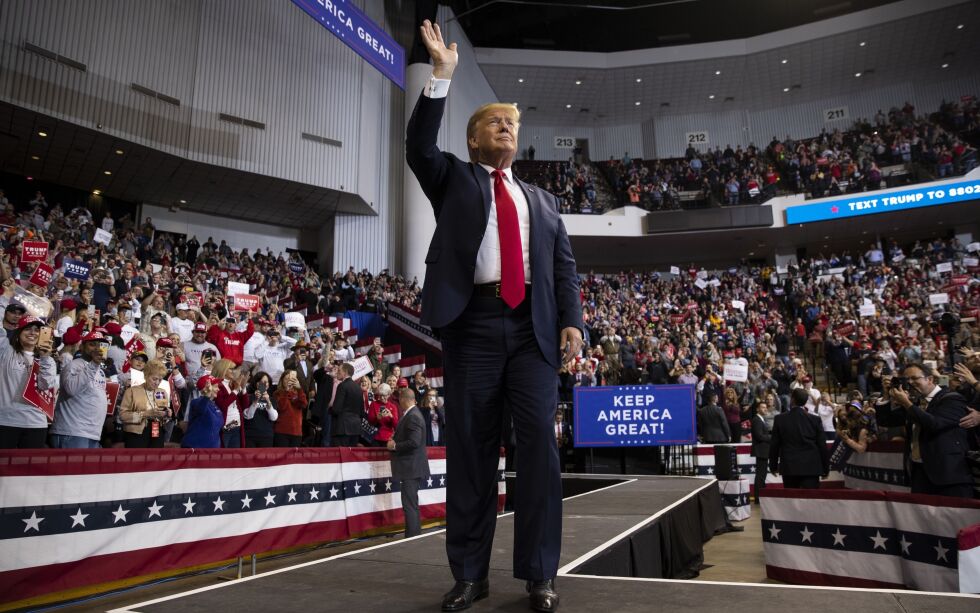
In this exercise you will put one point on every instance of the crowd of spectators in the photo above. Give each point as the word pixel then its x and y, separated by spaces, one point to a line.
pixel 797 326
pixel 925 147
pixel 153 316
pixel 573 183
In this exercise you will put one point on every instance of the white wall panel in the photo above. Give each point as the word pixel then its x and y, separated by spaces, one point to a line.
pixel 723 127
pixel 543 139
pixel 615 140
pixel 238 234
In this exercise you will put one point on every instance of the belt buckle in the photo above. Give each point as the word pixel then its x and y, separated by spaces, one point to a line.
pixel 496 288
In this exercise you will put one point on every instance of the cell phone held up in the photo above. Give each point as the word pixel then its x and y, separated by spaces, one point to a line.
pixel 44 336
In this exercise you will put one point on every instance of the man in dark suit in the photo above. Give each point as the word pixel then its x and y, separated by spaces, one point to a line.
pixel 502 335
pixel 347 409
pixel 761 437
pixel 409 463
pixel 798 447
pixel 935 442
pixel 712 421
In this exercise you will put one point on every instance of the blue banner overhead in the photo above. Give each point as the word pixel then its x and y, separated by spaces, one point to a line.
pixel 634 416
pixel 365 37
pixel 869 203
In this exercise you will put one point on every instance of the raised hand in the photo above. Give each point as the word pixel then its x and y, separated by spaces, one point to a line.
pixel 444 59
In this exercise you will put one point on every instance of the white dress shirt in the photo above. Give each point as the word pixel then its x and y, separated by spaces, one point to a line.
pixel 488 257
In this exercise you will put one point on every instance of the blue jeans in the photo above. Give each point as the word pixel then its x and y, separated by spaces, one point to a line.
pixel 231 438
pixel 65 441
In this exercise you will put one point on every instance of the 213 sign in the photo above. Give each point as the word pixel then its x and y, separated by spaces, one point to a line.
pixel 564 142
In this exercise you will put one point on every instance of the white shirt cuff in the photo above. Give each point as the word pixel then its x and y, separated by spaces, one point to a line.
pixel 436 88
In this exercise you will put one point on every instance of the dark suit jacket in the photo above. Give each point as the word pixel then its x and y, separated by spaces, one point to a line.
pixel 460 195
pixel 798 446
pixel 942 442
pixel 713 424
pixel 348 407
pixel 323 383
pixel 761 437
pixel 409 460
pixel 305 381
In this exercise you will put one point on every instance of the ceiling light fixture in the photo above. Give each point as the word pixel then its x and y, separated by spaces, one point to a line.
pixel 183 202
pixel 711 97
pixel 717 72
pixel 637 103
pixel 107 172
pixel 578 82
pixel 785 89
pixel 945 66
pixel 42 134
pixel 784 61
pixel 639 80
pixel 857 74
pixel 520 80
pixel 34 157
pixel 862 44
pixel 959 27
pixel 119 151
pixel 96 192
pixel 568 106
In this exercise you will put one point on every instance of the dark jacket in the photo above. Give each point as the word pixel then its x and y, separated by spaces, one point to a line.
pixel 942 442
pixel 323 384
pixel 798 446
pixel 427 418
pixel 761 437
pixel 409 460
pixel 348 407
pixel 713 425
pixel 460 195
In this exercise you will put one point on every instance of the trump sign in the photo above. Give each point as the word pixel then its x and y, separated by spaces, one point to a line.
pixel 634 416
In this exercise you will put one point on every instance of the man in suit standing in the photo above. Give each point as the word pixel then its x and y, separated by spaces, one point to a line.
pixel 347 409
pixel 935 442
pixel 798 447
pixel 502 335
pixel 301 363
pixel 761 437
pixel 409 463
pixel 714 424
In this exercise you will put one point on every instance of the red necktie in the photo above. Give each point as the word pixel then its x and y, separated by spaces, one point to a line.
pixel 511 253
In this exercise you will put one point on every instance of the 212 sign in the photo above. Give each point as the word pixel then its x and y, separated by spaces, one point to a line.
pixel 697 138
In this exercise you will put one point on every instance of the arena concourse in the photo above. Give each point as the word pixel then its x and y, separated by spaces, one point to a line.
pixel 206 214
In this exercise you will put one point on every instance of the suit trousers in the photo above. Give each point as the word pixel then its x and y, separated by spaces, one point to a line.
pixel 410 507
pixel 797 482
pixel 921 484
pixel 761 470
pixel 493 366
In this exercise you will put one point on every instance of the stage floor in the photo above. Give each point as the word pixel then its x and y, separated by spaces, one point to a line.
pixel 412 575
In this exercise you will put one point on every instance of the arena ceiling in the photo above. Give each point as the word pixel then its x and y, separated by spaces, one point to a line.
pixel 87 160
pixel 937 45
pixel 622 25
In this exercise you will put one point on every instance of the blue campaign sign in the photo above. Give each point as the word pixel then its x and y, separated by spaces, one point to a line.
pixel 365 37
pixel 634 416
pixel 77 269
pixel 869 203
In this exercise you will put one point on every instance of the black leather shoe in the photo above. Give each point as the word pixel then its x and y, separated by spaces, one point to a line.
pixel 543 596
pixel 464 594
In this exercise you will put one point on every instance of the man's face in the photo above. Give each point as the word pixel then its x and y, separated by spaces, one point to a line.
pixel 198 336
pixel 919 381
pixel 495 136
pixel 12 315
pixel 95 351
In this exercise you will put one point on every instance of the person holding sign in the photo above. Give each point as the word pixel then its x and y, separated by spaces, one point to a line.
pixel 144 408
pixel 23 425
pixel 502 335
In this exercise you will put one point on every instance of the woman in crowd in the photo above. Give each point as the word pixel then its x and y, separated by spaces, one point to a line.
pixel 145 408
pixel 733 413
pixel 231 400
pixel 22 425
pixel 205 421
pixel 261 413
pixel 383 413
pixel 291 403
pixel 826 410
pixel 855 429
